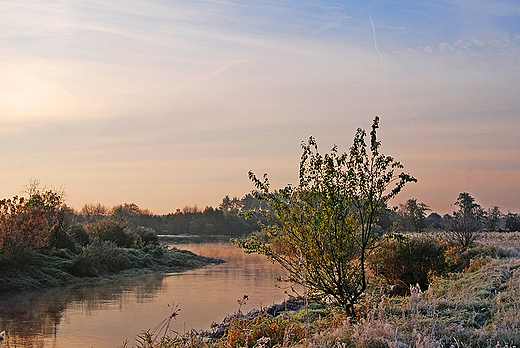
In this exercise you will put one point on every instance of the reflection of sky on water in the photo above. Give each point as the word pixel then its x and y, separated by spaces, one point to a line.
pixel 104 315
pixel 35 318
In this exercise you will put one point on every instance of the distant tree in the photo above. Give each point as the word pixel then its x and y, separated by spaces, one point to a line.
pixel 493 217
pixel 322 231
pixel 230 204
pixel 446 220
pixel 413 215
pixel 434 220
pixel 467 220
pixel 135 217
pixel 388 219
pixel 126 211
pixel 190 210
pixel 468 208
pixel 512 222
pixel 94 210
pixel 250 202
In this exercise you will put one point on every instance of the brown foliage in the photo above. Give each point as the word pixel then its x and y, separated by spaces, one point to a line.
pixel 22 225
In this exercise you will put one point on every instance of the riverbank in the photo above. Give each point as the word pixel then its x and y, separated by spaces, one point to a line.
pixel 104 313
pixel 43 268
pixel 476 307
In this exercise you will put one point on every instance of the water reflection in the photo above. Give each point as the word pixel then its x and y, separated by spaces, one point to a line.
pixel 29 318
pixel 103 315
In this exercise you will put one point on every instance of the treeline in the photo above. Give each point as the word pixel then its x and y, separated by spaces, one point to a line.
pixel 43 218
pixel 229 217
pixel 222 220
pixel 413 216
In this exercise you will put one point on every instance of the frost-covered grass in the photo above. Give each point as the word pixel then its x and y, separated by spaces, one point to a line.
pixel 32 269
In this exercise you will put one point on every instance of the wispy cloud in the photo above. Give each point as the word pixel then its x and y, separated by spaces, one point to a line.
pixel 175 97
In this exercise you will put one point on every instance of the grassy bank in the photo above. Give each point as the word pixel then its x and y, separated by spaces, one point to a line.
pixel 47 267
pixel 478 306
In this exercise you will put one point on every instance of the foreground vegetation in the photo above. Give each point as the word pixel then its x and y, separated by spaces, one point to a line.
pixel 476 306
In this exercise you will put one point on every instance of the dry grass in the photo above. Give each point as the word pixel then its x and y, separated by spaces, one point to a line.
pixel 507 244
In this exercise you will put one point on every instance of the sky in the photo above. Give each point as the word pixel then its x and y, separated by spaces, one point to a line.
pixel 167 103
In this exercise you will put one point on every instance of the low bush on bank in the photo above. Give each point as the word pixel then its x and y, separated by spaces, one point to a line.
pixel 409 260
pixel 98 260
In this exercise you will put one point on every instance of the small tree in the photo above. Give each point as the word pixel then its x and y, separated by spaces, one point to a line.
pixel 467 221
pixel 322 231
pixel 413 215
pixel 512 222
pixel 493 218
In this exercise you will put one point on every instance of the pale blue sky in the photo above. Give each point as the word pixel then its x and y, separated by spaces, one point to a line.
pixel 170 103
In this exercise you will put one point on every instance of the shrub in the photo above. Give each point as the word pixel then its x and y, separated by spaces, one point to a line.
pixel 100 258
pixel 410 262
pixel 462 232
pixel 79 235
pixel 60 239
pixel 110 230
pixel 459 259
pixel 21 227
pixel 145 237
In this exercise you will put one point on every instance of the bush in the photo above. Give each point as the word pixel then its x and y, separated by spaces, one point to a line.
pixel 100 258
pixel 79 235
pixel 60 239
pixel 462 232
pixel 410 262
pixel 110 230
pixel 21 226
pixel 145 237
pixel 459 259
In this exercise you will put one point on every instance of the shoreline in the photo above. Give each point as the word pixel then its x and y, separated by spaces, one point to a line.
pixel 55 268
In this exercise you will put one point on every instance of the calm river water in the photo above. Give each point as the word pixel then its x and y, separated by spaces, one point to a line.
pixel 104 315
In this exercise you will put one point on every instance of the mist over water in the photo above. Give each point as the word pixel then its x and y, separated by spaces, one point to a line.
pixel 104 315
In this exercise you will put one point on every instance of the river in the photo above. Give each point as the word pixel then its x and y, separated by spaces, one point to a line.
pixel 104 315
